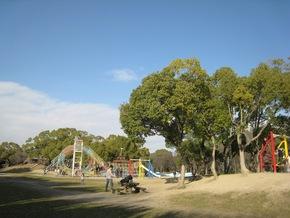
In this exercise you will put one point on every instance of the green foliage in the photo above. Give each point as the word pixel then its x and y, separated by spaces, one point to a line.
pixel 48 144
pixel 111 147
pixel 225 82
pixel 183 100
pixel 11 153
pixel 166 103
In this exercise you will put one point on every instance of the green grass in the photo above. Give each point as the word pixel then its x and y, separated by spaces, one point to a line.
pixel 28 195
pixel 61 183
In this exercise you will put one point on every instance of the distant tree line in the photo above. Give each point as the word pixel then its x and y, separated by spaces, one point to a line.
pixel 164 161
pixel 48 144
pixel 11 154
pixel 215 122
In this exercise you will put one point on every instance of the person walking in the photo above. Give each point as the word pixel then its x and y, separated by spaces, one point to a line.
pixel 109 178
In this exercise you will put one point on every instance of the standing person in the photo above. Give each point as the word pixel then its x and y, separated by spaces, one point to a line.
pixel 109 178
pixel 82 178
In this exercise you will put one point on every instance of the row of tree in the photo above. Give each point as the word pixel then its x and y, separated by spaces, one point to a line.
pixel 210 117
pixel 48 144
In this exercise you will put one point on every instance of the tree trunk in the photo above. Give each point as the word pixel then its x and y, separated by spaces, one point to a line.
pixel 226 158
pixel 182 175
pixel 213 170
pixel 244 169
pixel 258 163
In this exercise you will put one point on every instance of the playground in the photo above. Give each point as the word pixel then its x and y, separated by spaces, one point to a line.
pixel 30 194
pixel 144 109
pixel 59 190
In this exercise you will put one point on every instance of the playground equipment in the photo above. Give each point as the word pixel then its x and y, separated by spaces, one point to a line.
pixel 133 167
pixel 272 157
pixel 77 155
pixel 150 171
pixel 139 167
pixel 62 163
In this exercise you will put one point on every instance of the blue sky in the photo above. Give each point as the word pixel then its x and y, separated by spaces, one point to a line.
pixel 98 51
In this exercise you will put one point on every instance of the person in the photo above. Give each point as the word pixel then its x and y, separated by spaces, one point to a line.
pixel 109 178
pixel 82 178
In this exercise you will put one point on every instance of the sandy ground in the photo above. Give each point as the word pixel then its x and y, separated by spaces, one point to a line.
pixel 270 183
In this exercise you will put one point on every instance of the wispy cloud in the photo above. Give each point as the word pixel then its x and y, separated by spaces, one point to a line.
pixel 25 112
pixel 124 75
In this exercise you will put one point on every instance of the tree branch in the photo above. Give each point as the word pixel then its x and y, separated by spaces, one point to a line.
pixel 257 136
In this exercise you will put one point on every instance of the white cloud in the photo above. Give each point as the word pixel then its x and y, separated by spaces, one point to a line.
pixel 124 75
pixel 155 143
pixel 25 112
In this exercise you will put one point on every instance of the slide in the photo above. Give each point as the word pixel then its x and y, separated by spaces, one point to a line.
pixel 170 175
pixel 154 174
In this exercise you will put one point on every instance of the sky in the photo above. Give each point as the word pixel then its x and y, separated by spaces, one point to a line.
pixel 71 63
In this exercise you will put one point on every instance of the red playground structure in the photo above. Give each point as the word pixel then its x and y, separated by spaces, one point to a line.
pixel 274 158
pixel 267 159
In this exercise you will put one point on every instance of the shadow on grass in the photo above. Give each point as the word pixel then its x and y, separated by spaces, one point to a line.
pixel 66 208
pixel 71 208
pixel 23 200
pixel 54 185
pixel 17 170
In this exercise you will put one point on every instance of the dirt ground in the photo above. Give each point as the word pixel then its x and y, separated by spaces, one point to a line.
pixel 160 192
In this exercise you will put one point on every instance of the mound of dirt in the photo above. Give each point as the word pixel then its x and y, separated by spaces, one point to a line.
pixel 268 182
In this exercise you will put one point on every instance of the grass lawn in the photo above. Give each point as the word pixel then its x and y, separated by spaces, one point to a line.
pixel 34 196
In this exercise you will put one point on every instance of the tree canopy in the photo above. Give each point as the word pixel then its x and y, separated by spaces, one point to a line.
pixel 228 111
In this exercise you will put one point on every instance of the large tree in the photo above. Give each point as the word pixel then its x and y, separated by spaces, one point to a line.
pixel 166 104
pixel 253 102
